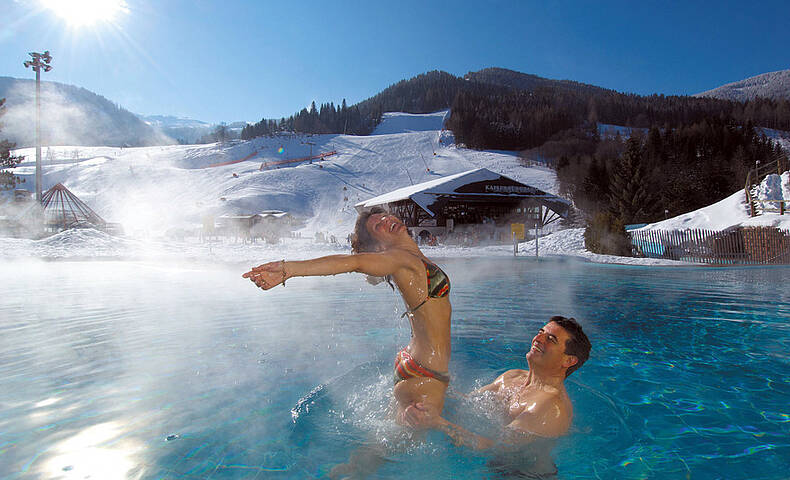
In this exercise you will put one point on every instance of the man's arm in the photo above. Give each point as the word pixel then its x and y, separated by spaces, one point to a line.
pixel 511 436
pixel 514 434
pixel 463 437
pixel 420 415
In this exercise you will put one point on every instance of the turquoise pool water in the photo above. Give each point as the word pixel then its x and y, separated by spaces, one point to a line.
pixel 141 370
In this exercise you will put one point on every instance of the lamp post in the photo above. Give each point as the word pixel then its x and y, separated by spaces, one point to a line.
pixel 40 60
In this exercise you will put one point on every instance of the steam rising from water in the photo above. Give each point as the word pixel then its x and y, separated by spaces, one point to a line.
pixel 160 348
pixel 72 116
pixel 105 361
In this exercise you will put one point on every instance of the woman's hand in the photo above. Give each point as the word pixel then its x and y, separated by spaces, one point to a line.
pixel 268 275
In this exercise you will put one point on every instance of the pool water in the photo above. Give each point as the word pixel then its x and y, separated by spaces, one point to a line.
pixel 145 370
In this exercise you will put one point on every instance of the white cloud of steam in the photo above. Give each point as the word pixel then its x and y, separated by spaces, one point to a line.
pixel 154 349
pixel 71 116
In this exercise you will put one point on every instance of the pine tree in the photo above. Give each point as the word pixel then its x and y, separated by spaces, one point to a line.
pixel 221 133
pixel 630 198
pixel 7 180
pixel 595 185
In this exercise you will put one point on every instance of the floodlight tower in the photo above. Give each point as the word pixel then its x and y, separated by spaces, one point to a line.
pixel 40 61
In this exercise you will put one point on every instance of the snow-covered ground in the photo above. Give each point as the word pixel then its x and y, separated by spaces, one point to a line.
pixel 734 210
pixel 151 190
pixel 397 122
pixel 92 244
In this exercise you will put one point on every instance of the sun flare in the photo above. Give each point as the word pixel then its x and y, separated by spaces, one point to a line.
pixel 80 13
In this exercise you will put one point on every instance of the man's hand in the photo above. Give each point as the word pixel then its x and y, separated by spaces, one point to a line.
pixel 421 415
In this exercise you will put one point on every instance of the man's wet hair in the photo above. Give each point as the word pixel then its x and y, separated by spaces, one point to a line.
pixel 578 345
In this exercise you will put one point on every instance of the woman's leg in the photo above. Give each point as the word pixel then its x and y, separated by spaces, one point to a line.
pixel 428 391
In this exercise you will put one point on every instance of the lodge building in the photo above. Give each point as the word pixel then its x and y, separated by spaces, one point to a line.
pixel 477 202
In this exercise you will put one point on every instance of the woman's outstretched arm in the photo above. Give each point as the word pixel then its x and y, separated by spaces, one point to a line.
pixel 271 274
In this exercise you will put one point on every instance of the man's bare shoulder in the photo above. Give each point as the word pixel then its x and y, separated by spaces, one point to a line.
pixel 516 372
pixel 511 377
pixel 551 417
pixel 503 381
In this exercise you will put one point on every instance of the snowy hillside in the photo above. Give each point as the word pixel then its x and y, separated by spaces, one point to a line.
pixel 155 189
pixel 152 189
pixel 70 116
pixel 410 122
pixel 734 210
pixel 187 130
pixel 184 130
pixel 779 136
pixel 774 85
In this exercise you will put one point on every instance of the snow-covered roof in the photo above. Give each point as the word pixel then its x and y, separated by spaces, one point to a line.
pixel 273 213
pixel 492 184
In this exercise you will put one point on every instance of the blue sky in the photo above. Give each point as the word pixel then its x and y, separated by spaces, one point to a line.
pixel 244 60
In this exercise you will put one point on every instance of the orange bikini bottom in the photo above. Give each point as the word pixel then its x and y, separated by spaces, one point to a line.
pixel 407 367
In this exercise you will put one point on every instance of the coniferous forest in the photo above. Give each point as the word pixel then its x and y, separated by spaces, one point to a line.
pixel 661 172
pixel 683 153
pixel 326 119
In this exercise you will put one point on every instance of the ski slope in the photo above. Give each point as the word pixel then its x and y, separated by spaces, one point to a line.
pixel 153 189
pixel 397 122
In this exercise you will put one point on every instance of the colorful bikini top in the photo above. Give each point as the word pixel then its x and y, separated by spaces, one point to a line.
pixel 438 285
pixel 438 281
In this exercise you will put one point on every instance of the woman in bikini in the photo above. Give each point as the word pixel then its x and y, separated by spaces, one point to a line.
pixel 382 247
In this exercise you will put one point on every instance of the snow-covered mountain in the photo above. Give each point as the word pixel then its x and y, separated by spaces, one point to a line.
pixel 774 85
pixel 70 116
pixel 188 130
pixel 169 121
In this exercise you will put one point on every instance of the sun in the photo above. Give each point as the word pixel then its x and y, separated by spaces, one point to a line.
pixel 80 13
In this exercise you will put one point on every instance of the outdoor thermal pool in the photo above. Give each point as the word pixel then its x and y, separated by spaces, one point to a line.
pixel 150 370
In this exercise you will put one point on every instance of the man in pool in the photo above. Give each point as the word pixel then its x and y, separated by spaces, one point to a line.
pixel 534 401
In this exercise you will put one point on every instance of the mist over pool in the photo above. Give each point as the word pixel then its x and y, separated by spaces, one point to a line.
pixel 150 369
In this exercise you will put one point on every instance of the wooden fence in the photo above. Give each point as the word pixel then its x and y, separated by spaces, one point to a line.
pixel 743 245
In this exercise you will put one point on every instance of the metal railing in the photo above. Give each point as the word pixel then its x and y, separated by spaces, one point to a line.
pixel 743 245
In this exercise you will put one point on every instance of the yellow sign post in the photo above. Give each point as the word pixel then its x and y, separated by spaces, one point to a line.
pixel 517 233
pixel 517 230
